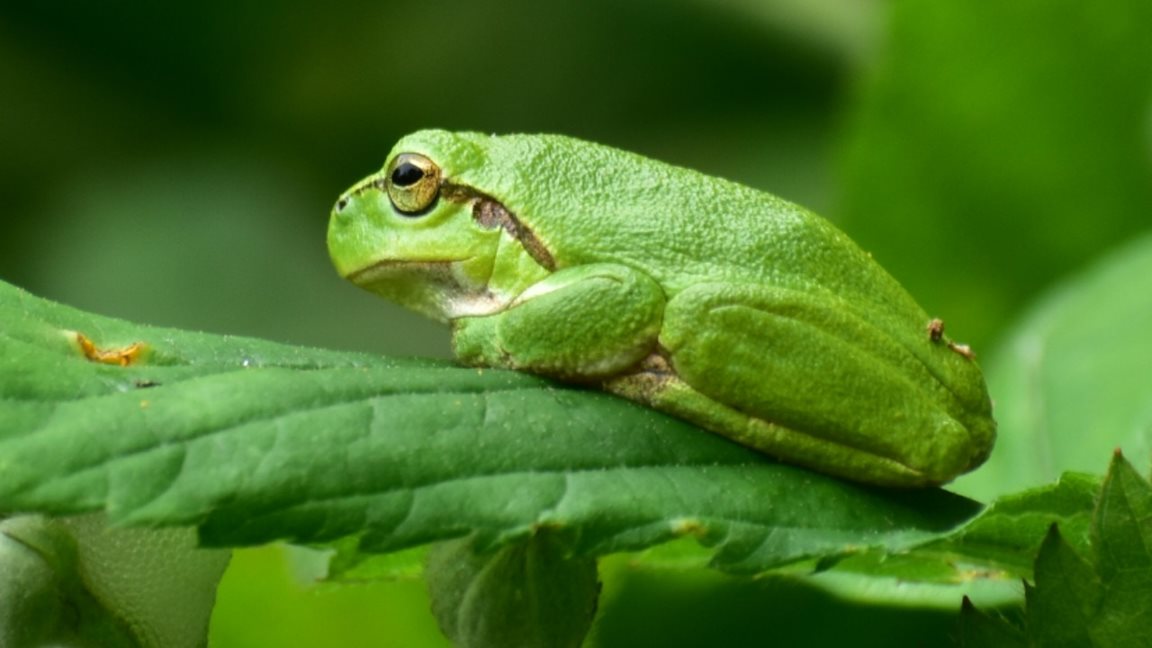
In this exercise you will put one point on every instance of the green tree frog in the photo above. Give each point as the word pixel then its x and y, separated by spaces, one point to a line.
pixel 725 306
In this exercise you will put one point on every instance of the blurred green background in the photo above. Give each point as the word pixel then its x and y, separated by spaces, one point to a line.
pixel 175 165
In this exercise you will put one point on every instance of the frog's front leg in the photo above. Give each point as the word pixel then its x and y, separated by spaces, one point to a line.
pixel 583 323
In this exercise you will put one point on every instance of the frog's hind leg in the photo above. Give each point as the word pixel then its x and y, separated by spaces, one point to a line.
pixel 807 380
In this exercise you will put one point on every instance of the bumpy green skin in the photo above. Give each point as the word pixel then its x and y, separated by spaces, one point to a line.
pixel 703 298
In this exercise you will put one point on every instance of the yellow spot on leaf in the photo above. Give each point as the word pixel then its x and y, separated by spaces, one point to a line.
pixel 688 526
pixel 122 356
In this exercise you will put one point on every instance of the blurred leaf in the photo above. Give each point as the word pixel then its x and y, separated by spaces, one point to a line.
pixel 847 27
pixel 349 565
pixel 268 598
pixel 1071 383
pixel 76 582
pixel 695 608
pixel 525 594
pixel 43 598
pixel 157 580
pixel 998 145
pixel 981 630
pixel 253 442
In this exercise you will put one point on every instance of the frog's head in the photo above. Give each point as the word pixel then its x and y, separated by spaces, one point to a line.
pixel 422 234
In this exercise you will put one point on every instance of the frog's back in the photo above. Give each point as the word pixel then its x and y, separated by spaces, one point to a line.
pixel 600 204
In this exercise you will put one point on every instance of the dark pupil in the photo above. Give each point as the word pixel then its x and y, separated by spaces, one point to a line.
pixel 406 174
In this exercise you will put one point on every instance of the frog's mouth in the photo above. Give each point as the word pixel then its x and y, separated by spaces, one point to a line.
pixel 441 290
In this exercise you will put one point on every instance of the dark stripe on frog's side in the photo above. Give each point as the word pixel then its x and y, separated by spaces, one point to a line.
pixel 486 211
pixel 489 213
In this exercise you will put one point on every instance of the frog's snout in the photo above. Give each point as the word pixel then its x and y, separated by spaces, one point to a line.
pixel 369 184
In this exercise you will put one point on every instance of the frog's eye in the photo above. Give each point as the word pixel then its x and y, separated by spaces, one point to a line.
pixel 413 183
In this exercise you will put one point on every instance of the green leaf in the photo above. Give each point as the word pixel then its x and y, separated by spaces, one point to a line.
pixel 1072 382
pixel 528 594
pixel 983 560
pixel 44 601
pixel 1100 595
pixel 252 442
pixel 157 580
pixel 76 582
pixel 981 630
pixel 1122 537
pixel 1010 531
pixel 1064 600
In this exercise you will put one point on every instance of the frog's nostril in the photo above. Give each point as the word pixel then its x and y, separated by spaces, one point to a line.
pixel 341 204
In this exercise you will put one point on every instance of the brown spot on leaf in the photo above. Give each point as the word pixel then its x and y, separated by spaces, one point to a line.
pixel 936 335
pixel 936 330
